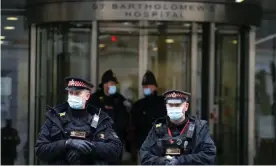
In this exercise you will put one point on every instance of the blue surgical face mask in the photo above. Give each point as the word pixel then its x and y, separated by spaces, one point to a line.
pixel 175 113
pixel 147 91
pixel 75 102
pixel 112 89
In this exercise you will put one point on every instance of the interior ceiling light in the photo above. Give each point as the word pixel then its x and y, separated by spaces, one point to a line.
pixel 2 37
pixel 155 49
pixel 159 23
pixel 169 41
pixel 12 18
pixel 239 1
pixel 9 28
pixel 79 25
pixel 101 45
pixel 1 42
pixel 186 25
pixel 235 42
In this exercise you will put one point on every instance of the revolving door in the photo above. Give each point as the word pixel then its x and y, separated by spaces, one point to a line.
pixel 196 47
pixel 204 59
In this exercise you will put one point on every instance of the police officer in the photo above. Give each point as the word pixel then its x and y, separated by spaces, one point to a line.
pixel 178 139
pixel 76 133
pixel 148 108
pixel 113 103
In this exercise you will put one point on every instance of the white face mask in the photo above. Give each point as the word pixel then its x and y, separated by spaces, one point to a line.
pixel 175 113
pixel 75 102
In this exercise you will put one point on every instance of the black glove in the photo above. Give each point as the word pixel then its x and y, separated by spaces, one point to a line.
pixel 173 161
pixel 83 146
pixel 72 157
pixel 162 161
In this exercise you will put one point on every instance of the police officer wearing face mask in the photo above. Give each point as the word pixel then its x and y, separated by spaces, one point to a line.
pixel 76 133
pixel 178 139
pixel 149 108
pixel 113 103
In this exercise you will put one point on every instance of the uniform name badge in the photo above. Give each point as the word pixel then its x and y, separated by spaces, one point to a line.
pixel 172 151
pixel 78 134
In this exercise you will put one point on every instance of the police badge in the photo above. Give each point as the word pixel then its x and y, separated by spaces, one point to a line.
pixel 173 151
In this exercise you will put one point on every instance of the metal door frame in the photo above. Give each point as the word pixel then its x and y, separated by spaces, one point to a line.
pixel 94 58
pixel 246 92
pixel 220 35
pixel 143 55
pixel 208 80
pixel 193 74
pixel 251 94
pixel 32 93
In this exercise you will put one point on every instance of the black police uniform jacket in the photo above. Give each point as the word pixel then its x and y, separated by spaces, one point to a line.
pixel 203 150
pixel 114 106
pixel 144 113
pixel 50 145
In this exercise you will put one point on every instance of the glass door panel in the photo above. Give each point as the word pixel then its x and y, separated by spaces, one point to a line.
pixel 119 50
pixel 199 96
pixel 226 97
pixel 169 47
pixel 62 50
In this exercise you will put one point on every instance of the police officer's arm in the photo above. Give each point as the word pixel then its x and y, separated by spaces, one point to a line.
pixel 149 152
pixel 205 151
pixel 45 148
pixel 110 147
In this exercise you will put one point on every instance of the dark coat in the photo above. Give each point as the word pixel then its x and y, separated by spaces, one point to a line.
pixel 115 107
pixel 50 144
pixel 144 113
pixel 203 150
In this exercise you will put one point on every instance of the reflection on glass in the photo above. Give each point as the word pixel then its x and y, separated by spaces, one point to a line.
pixel 169 54
pixel 14 93
pixel 265 90
pixel 226 74
pixel 62 50
pixel 118 50
pixel 199 77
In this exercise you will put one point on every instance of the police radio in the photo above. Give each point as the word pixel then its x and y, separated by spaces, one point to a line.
pixel 175 146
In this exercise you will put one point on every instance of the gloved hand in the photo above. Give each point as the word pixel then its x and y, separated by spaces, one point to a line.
pixel 173 161
pixel 83 146
pixel 72 157
pixel 162 161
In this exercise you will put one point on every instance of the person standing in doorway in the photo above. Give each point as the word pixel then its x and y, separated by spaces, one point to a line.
pixel 113 103
pixel 146 110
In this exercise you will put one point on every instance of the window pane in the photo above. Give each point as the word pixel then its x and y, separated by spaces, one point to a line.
pixel 63 50
pixel 169 54
pixel 14 90
pixel 228 110
pixel 265 89
pixel 119 50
